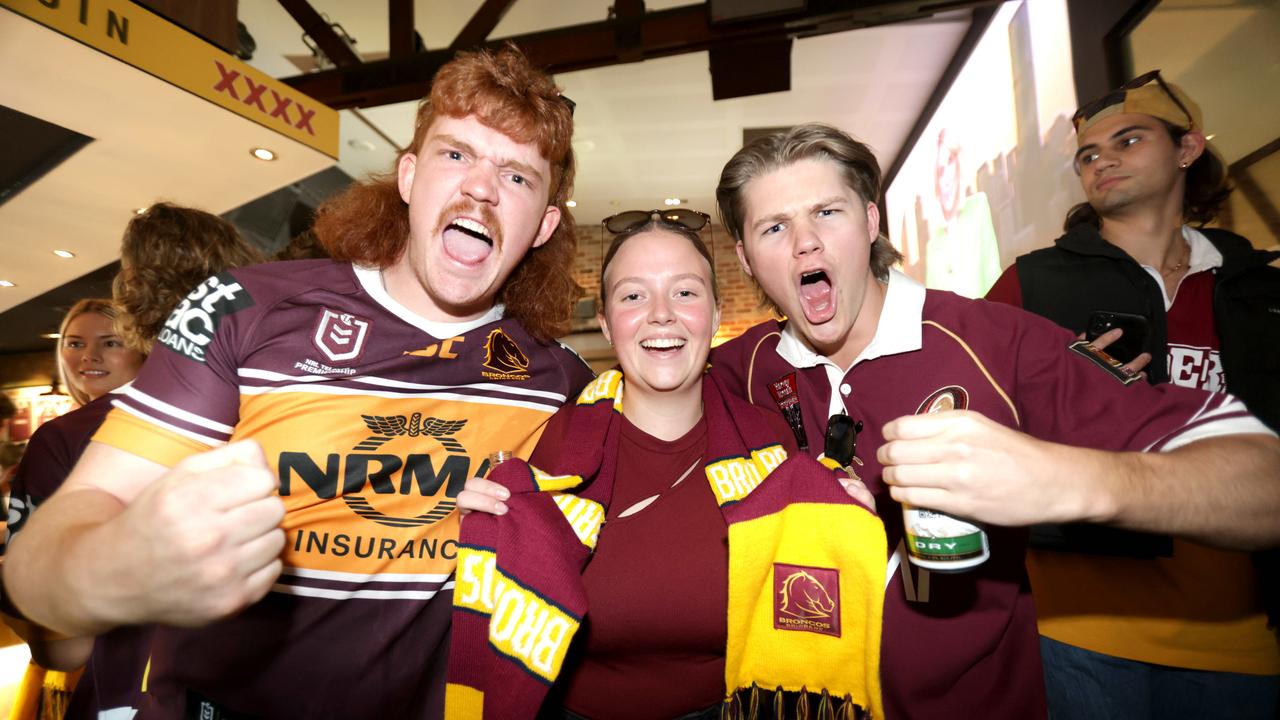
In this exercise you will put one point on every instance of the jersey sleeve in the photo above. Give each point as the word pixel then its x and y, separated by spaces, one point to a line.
pixel 187 397
pixel 1007 289
pixel 1068 393
pixel 45 464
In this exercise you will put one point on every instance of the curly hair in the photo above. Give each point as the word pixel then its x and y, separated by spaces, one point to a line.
pixel 1206 189
pixel 368 224
pixel 168 250
pixel 810 141
pixel 102 306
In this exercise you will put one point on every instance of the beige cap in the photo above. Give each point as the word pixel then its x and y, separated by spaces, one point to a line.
pixel 1148 94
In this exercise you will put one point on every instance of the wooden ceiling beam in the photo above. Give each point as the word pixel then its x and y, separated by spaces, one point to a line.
pixel 481 24
pixel 662 33
pixel 400 28
pixel 314 25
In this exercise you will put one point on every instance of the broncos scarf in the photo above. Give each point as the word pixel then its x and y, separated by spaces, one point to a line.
pixel 806 572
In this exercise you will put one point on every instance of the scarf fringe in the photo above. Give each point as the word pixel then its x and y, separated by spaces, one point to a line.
pixel 750 704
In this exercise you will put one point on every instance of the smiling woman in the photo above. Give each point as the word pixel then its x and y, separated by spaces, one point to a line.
pixel 670 470
pixel 93 359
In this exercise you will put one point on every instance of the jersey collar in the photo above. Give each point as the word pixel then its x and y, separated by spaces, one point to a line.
pixel 898 330
pixel 371 280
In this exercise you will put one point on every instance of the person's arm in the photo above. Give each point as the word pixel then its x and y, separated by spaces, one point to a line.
pixel 49 649
pixel 125 541
pixel 1223 491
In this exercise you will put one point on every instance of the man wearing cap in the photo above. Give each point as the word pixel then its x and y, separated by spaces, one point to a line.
pixel 1141 630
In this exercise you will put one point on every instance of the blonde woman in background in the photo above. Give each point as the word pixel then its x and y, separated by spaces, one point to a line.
pixel 166 251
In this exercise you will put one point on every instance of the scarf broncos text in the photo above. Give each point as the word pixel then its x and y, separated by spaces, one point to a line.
pixel 806 570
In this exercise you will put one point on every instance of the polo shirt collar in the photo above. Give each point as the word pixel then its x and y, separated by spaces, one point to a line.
pixel 898 330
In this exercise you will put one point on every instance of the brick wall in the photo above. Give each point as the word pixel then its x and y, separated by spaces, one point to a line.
pixel 739 303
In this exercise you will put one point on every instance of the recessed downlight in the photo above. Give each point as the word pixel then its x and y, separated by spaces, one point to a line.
pixel 64 253
pixel 571 203
pixel 263 154
pixel 7 283
pixel 51 336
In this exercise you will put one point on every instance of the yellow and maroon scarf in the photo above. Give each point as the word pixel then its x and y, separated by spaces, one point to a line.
pixel 806 570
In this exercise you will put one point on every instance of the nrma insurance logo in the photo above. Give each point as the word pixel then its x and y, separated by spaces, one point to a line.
pixel 379 485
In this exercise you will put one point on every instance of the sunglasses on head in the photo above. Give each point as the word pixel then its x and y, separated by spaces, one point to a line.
pixel 1117 96
pixel 632 219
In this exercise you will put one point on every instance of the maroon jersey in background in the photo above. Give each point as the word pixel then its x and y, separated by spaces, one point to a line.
pixel 112 680
pixel 965 644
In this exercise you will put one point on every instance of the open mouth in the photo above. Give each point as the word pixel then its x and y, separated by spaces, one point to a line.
pixel 468 241
pixel 663 346
pixel 815 296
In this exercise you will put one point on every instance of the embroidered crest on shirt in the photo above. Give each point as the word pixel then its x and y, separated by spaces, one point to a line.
pixel 951 397
pixel 340 336
pixel 806 598
pixel 504 358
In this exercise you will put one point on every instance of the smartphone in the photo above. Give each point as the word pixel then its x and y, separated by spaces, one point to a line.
pixel 1131 343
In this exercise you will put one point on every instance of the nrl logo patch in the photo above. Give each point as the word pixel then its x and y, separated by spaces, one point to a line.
pixel 503 358
pixel 806 598
pixel 951 397
pixel 340 336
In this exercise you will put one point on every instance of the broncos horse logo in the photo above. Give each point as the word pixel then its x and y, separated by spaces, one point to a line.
pixel 804 597
pixel 386 427
pixel 504 357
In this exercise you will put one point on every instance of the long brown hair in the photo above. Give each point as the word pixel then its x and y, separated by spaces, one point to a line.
pixel 167 251
pixel 368 224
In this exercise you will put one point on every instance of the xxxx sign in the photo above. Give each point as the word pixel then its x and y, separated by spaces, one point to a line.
pixel 136 36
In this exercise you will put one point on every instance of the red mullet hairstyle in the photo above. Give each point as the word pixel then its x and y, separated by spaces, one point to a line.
pixel 368 224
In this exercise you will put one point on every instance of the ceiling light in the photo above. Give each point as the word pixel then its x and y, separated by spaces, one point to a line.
pixel 139 211
pixel 51 336
pixel 1211 136
pixel 361 144
pixel 64 253
pixel 571 203
pixel 672 201
pixel 6 283
pixel 263 154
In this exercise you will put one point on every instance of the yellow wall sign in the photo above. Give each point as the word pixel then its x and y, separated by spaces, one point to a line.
pixel 156 46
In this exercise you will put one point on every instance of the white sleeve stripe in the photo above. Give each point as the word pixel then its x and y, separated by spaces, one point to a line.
pixel 357 594
pixel 387 382
pixel 1239 425
pixel 363 577
pixel 1227 404
pixel 177 412
pixel 541 406
pixel 1204 408
pixel 203 439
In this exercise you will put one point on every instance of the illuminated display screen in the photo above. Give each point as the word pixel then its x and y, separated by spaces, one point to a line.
pixel 990 178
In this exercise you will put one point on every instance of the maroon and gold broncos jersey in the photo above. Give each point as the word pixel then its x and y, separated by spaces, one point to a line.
pixel 374 419
pixel 965 644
